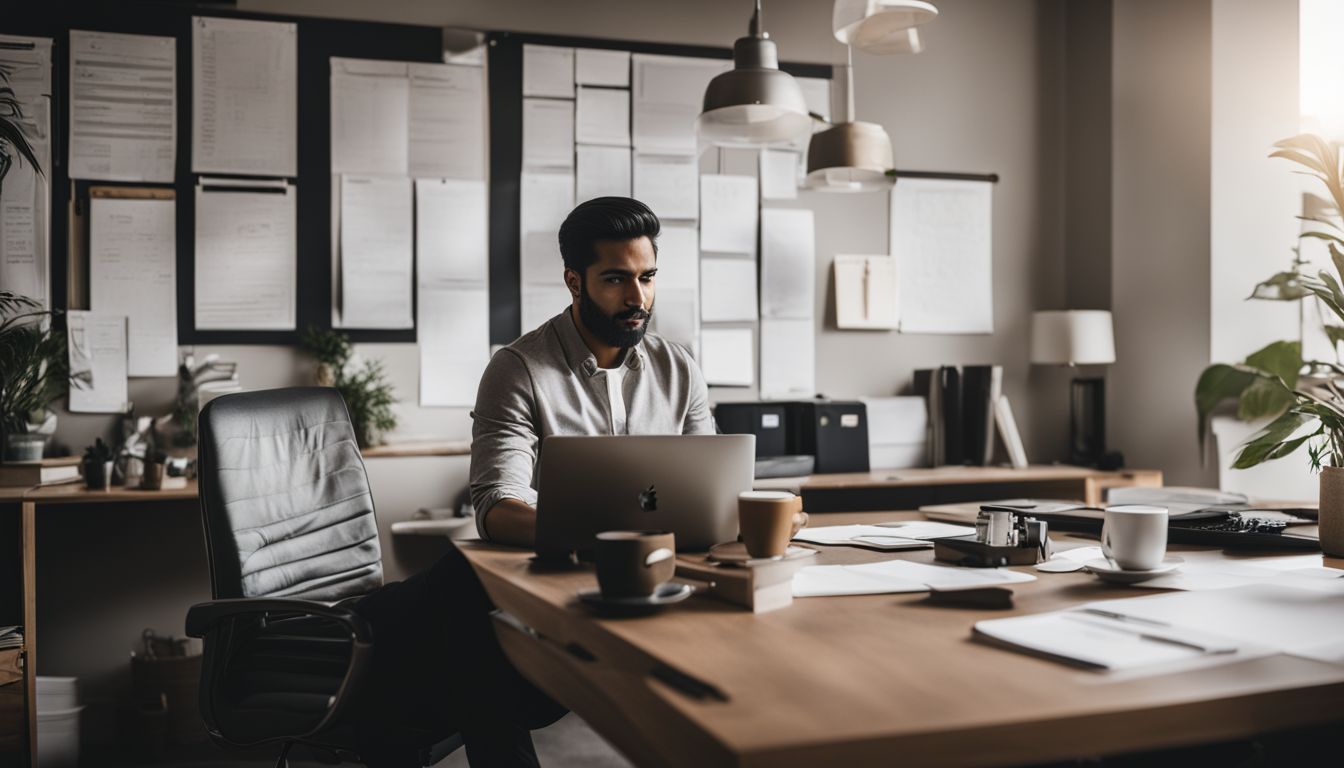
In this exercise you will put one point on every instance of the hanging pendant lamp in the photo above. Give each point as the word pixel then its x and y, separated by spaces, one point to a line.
pixel 881 26
pixel 753 104
pixel 849 156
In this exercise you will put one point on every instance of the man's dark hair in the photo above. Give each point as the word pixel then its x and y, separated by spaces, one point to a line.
pixel 604 218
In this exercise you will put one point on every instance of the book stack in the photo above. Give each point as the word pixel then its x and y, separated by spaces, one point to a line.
pixel 961 403
pixel 27 474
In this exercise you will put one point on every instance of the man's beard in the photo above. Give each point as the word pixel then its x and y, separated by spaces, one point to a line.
pixel 608 328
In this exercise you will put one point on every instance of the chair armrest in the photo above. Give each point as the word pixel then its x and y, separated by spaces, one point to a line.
pixel 203 617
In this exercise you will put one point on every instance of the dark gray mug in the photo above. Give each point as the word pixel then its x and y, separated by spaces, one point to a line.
pixel 634 563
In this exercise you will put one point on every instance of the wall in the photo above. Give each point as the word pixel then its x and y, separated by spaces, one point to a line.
pixel 1161 133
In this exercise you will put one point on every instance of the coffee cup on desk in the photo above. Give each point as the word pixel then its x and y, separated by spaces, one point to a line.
pixel 634 563
pixel 765 520
pixel 1134 536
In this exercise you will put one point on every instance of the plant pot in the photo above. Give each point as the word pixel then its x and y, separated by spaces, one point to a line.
pixel 1332 511
pixel 97 475
pixel 152 477
pixel 24 446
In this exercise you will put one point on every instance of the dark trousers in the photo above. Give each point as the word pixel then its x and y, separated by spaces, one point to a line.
pixel 438 668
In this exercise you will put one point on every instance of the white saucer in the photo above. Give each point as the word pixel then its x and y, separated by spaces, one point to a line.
pixel 1107 570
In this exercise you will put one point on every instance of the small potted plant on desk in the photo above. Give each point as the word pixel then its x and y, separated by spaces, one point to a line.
pixel 152 478
pixel 33 375
pixel 98 466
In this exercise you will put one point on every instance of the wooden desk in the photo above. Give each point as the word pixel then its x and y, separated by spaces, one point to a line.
pixel 913 488
pixel 869 680
pixel 28 500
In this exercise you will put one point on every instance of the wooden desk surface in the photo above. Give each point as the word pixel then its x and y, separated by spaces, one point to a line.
pixel 872 679
pixel 76 493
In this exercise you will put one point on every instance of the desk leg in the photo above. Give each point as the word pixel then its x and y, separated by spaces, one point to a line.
pixel 28 534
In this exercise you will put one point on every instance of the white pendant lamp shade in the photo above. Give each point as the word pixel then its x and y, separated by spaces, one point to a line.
pixel 753 104
pixel 849 157
pixel 881 26
pixel 1073 337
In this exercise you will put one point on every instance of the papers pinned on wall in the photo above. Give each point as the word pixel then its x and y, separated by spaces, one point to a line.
pixel 123 107
pixel 97 356
pixel 676 316
pixel 728 210
pixel 133 273
pixel 454 341
pixel 788 263
pixel 779 174
pixel 866 295
pixel 245 255
pixel 244 96
pixel 598 67
pixel 548 71
pixel 546 199
pixel 447 121
pixel 727 290
pixel 668 95
pixel 548 133
pixel 543 301
pixel 25 218
pixel 941 241
pixel 376 252
pixel 669 185
pixel 602 116
pixel 726 356
pixel 370 116
pixel 788 359
pixel 450 230
pixel 602 171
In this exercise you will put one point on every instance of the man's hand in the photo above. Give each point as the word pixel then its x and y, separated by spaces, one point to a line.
pixel 512 522
pixel 799 523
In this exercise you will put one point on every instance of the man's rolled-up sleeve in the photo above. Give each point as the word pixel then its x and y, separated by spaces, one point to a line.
pixel 504 437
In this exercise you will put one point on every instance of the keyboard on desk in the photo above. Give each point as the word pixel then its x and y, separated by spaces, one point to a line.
pixel 1236 530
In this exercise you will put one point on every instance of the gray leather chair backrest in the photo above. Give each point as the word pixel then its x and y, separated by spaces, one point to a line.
pixel 286 502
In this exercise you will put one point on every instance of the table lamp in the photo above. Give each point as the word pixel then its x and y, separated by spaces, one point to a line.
pixel 1073 338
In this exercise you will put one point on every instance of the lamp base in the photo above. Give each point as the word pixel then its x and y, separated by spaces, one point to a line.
pixel 1087 421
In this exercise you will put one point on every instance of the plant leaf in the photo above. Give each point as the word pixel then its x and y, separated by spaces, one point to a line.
pixel 1281 358
pixel 1270 439
pixel 1284 286
pixel 1217 384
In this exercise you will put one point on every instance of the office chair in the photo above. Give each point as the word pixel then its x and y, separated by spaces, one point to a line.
pixel 292 542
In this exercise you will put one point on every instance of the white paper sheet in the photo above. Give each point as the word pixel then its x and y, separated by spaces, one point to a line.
pixel 548 134
pixel 541 302
pixel 245 255
pixel 726 356
pixel 602 116
pixel 817 94
pixel 915 535
pixel 447 121
pixel 545 200
pixel 244 96
pixel 668 95
pixel 593 66
pixel 542 264
pixel 866 294
pixel 370 116
pixel 451 230
pixel 123 107
pixel 668 185
pixel 133 272
pixel 97 351
pixel 727 290
pixel 728 210
pixel 788 263
pixel 602 171
pixel 548 71
pixel 788 359
pixel 454 343
pixel 678 259
pixel 892 576
pixel 676 317
pixel 376 252
pixel 941 240
pixel 779 174
pixel 25 217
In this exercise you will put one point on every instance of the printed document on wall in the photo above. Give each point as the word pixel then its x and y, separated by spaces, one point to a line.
pixel 447 121
pixel 779 174
pixel 548 71
pixel 727 290
pixel 668 95
pixel 454 343
pixel 728 208
pixel 377 252
pixel 133 272
pixel 370 114
pixel 788 263
pixel 25 218
pixel 245 255
pixel 669 185
pixel 545 200
pixel 725 356
pixel 97 356
pixel 593 66
pixel 123 107
pixel 548 133
pixel 244 89
pixel 941 240
pixel 788 359
pixel 450 230
pixel 602 116
pixel 866 295
pixel 602 171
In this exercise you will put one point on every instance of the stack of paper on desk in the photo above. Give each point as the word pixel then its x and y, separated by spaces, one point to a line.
pixel 896 576
pixel 912 534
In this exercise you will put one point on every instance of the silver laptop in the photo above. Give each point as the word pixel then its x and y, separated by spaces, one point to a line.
pixel 686 484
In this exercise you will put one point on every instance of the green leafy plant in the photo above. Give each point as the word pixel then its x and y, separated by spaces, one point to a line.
pixel 13 139
pixel 363 384
pixel 98 453
pixel 1302 397
pixel 33 364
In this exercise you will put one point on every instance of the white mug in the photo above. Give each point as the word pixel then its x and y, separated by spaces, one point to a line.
pixel 1135 536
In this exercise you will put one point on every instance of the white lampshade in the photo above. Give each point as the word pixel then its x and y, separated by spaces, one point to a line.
pixel 1072 337
pixel 881 26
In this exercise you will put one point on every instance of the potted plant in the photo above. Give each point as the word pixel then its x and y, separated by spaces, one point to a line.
pixel 98 466
pixel 33 375
pixel 151 479
pixel 362 383
pixel 1304 399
